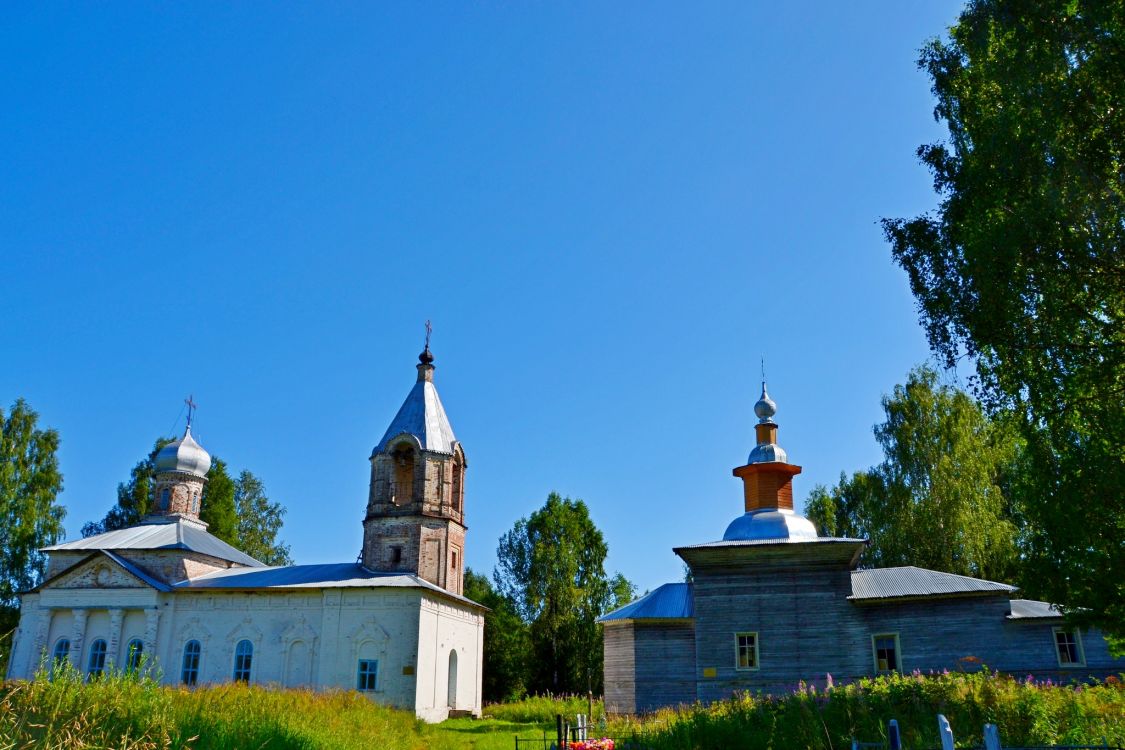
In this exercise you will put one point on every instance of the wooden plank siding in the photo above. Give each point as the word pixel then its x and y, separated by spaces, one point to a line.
pixel 806 627
pixel 619 667
pixel 796 601
pixel 936 634
pixel 664 659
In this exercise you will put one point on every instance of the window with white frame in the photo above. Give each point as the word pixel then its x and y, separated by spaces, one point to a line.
pixel 745 651
pixel 96 664
pixel 189 670
pixel 243 656
pixel 133 655
pixel 884 647
pixel 367 675
pixel 61 651
pixel 1068 647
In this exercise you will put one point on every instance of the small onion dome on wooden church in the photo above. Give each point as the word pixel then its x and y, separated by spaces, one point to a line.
pixel 185 456
pixel 767 480
pixel 421 414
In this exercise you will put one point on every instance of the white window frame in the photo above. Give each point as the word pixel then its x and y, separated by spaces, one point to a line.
pixel 198 662
pixel 1077 644
pixel 236 670
pixel 875 653
pixel 101 654
pixel 738 651
pixel 132 655
pixel 358 667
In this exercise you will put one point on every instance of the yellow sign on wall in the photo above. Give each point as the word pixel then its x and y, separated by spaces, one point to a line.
pixel 710 672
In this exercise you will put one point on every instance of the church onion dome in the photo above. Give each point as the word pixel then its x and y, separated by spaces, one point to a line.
pixel 421 415
pixel 767 450
pixel 769 523
pixel 184 455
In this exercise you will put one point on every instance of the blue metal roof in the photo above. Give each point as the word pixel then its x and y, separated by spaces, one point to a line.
pixel 891 583
pixel 329 575
pixel 670 601
pixel 161 533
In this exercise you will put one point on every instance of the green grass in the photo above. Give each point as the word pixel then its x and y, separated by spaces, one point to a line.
pixel 119 711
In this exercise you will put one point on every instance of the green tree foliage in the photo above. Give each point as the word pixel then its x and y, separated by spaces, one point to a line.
pixel 235 510
pixel 551 567
pixel 217 508
pixel 30 517
pixel 1022 266
pixel 259 521
pixel 507 644
pixel 938 500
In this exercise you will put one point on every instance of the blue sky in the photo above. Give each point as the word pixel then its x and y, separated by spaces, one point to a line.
pixel 610 211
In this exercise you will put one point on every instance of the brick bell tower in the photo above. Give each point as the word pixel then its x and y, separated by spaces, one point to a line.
pixel 415 519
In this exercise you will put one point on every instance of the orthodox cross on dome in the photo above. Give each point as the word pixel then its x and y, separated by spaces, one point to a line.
pixel 190 409
pixel 425 357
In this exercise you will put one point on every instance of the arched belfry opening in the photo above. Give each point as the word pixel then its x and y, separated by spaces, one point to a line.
pixel 456 494
pixel 402 488
pixel 415 519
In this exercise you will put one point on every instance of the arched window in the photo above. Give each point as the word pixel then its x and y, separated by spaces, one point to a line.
pixel 189 672
pixel 133 655
pixel 62 650
pixel 96 665
pixel 243 656
pixel 164 499
pixel 404 474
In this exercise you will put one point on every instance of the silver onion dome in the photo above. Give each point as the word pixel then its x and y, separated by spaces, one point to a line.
pixel 769 523
pixel 184 455
pixel 765 408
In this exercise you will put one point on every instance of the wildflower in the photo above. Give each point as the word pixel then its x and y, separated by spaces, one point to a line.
pixel 828 684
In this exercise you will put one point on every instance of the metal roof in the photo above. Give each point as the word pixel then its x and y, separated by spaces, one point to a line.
pixel 161 533
pixel 422 416
pixel 767 542
pixel 133 569
pixel 324 576
pixel 909 581
pixel 770 523
pixel 670 601
pixel 1029 609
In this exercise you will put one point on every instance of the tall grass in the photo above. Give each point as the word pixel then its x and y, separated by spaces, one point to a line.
pixel 1026 713
pixel 543 709
pixel 136 713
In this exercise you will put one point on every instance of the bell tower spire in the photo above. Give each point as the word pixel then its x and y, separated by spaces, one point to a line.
pixel 415 520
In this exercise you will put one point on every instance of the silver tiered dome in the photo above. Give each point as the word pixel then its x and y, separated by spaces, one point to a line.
pixel 184 455
pixel 766 452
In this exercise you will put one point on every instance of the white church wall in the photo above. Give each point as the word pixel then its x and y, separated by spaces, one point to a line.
pixel 452 629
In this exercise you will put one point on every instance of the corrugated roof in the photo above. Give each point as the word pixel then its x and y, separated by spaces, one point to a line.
pixel 670 601
pixel 328 575
pixel 891 583
pixel 766 542
pixel 422 416
pixel 164 533
pixel 1030 609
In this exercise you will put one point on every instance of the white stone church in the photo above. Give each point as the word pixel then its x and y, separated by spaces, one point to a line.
pixel 392 625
